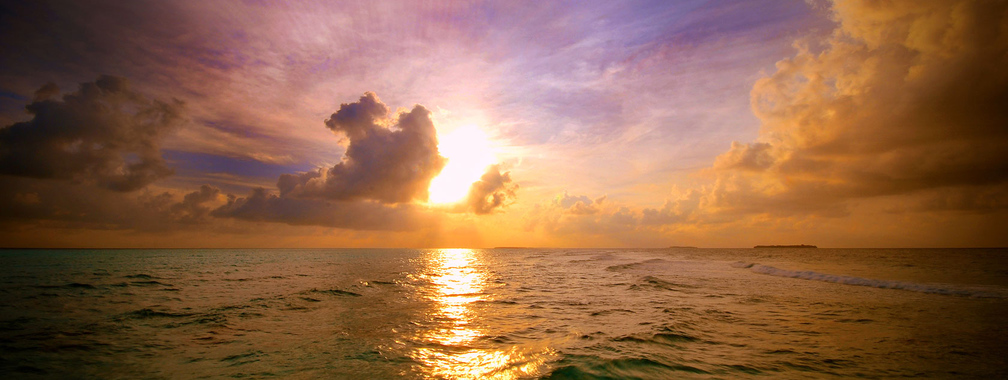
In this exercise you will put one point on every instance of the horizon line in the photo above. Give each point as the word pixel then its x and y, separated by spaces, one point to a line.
pixel 482 248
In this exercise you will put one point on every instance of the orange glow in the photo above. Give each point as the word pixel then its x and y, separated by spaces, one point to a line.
pixel 469 152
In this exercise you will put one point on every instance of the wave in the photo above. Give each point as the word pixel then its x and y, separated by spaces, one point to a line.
pixel 651 282
pixel 147 313
pixel 611 311
pixel 72 285
pixel 594 367
pixel 663 338
pixel 875 283
pixel 636 265
pixel 150 283
pixel 334 292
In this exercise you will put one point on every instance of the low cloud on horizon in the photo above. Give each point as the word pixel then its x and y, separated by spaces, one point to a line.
pixel 70 161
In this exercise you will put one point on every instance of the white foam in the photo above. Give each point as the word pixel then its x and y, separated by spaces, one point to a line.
pixel 875 283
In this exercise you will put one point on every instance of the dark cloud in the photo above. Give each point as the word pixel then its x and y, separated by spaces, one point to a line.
pixel 47 91
pixel 390 160
pixel 262 206
pixel 26 199
pixel 54 205
pixel 31 202
pixel 387 166
pixel 389 163
pixel 360 119
pixel 973 200
pixel 104 133
pixel 493 191
pixel 193 207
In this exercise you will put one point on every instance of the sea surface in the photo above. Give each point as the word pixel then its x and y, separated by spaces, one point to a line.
pixel 504 313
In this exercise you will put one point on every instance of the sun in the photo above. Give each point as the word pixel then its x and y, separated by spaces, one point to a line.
pixel 469 152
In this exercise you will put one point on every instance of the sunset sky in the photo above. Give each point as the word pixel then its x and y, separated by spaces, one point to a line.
pixel 548 124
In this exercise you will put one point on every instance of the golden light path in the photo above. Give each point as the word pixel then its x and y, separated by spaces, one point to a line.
pixel 459 279
pixel 469 153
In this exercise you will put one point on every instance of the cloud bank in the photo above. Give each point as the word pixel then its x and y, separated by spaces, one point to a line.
pixel 86 159
pixel 261 206
pixel 104 133
pixel 80 161
pixel 899 110
pixel 905 98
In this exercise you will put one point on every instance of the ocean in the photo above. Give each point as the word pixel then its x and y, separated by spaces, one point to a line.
pixel 504 313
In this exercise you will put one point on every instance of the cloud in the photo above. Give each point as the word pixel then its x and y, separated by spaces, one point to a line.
pixel 262 206
pixel 579 205
pixel 754 156
pixel 573 215
pixel 31 202
pixel 103 134
pixel 906 97
pixel 192 209
pixel 387 160
pixel 389 163
pixel 387 167
pixel 49 204
pixel 494 190
pixel 901 110
pixel 684 209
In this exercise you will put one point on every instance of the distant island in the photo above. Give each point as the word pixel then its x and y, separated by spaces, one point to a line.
pixel 786 246
pixel 681 246
pixel 512 248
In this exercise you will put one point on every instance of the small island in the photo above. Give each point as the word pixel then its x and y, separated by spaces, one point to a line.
pixel 786 246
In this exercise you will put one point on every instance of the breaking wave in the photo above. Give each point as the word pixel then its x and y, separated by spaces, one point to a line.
pixel 945 289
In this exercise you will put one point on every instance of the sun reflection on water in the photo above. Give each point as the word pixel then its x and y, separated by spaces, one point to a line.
pixel 452 349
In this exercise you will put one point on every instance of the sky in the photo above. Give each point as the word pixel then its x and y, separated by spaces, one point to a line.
pixel 502 123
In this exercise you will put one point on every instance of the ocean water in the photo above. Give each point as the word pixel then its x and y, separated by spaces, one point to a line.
pixel 504 313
